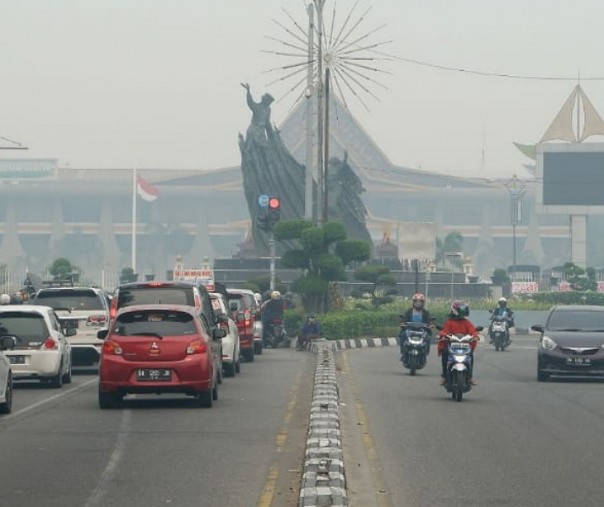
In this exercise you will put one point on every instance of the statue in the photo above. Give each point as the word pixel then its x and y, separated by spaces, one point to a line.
pixel 269 169
pixel 261 116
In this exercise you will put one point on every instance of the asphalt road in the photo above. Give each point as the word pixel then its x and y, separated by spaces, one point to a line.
pixel 57 448
pixel 511 441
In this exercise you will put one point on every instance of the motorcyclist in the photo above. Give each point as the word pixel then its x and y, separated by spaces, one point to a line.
pixel 271 309
pixel 504 311
pixel 310 330
pixel 417 313
pixel 458 323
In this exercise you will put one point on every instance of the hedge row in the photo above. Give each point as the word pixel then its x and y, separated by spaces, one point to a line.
pixel 353 324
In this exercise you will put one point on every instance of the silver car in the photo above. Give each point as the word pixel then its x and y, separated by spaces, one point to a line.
pixel 6 381
pixel 41 351
pixel 86 311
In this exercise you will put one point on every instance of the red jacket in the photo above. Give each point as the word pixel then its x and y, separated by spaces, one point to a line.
pixel 456 326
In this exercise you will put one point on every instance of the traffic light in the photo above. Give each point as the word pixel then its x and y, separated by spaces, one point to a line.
pixel 262 221
pixel 274 210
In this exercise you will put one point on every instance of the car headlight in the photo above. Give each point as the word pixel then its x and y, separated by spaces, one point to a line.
pixel 547 343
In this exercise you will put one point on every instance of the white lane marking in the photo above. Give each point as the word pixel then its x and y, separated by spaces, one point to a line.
pixel 50 399
pixel 96 497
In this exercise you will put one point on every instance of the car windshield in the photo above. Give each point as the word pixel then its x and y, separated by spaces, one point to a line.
pixel 155 322
pixel 576 320
pixel 29 328
pixel 72 299
pixel 155 295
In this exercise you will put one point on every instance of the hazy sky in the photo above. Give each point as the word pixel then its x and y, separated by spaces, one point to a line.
pixel 113 83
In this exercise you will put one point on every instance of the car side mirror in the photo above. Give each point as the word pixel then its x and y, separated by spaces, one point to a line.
pixel 70 331
pixel 7 342
pixel 479 328
pixel 218 333
pixel 537 328
pixel 102 334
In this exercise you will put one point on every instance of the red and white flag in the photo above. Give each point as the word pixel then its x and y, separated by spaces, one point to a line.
pixel 148 192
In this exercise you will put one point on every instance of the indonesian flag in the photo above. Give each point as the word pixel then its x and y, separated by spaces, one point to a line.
pixel 148 192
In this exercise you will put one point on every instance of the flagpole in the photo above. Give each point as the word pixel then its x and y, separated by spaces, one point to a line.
pixel 134 220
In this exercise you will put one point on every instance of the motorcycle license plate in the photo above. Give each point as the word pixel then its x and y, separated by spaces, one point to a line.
pixel 578 361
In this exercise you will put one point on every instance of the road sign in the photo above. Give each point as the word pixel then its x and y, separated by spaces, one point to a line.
pixel 263 200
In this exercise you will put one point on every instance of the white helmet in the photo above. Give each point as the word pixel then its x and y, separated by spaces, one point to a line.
pixel 502 300
pixel 4 299
pixel 275 294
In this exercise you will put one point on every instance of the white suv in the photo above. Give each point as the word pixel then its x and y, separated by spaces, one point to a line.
pixel 84 308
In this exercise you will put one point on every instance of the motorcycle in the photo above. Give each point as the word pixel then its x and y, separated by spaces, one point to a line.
pixel 274 334
pixel 415 338
pixel 499 332
pixel 459 365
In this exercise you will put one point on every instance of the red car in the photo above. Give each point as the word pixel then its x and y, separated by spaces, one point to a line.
pixel 244 311
pixel 153 349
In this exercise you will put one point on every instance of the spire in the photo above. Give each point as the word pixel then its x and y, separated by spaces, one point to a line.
pixel 561 127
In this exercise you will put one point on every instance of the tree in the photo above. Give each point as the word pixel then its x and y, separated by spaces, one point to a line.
pixel 580 279
pixel 61 268
pixel 128 275
pixel 377 275
pixel 322 253
pixel 453 242
pixel 500 277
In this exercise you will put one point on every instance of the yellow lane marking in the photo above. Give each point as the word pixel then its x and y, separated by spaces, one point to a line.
pixel 268 491
pixel 382 498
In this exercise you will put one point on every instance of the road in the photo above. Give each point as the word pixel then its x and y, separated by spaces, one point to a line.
pixel 57 448
pixel 511 441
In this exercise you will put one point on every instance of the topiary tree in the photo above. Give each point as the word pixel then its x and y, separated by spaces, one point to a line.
pixel 62 268
pixel 322 253
pixel 128 275
pixel 378 276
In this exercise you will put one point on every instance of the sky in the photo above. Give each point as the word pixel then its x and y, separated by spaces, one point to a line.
pixel 156 83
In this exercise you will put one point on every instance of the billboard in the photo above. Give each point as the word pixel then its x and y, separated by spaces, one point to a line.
pixel 27 169
pixel 572 178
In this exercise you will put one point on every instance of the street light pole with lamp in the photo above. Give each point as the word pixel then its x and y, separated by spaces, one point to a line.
pixel 516 189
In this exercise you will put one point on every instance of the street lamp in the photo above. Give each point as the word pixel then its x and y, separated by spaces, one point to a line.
pixel 451 256
pixel 516 189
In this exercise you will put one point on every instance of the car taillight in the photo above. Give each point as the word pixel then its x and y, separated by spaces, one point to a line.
pixel 112 348
pixel 197 347
pixel 113 308
pixel 96 320
pixel 50 344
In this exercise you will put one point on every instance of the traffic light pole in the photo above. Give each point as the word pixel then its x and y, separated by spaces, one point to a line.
pixel 271 243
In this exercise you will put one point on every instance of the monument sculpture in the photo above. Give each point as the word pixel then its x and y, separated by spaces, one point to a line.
pixel 269 168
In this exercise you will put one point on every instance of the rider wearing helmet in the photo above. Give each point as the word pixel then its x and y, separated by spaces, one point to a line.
pixel 503 310
pixel 417 313
pixel 458 323
pixel 271 309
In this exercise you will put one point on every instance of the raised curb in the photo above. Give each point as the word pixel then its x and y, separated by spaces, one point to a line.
pixel 324 480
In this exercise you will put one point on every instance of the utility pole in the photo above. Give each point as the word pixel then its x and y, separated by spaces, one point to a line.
pixel 309 211
pixel 320 119
pixel 516 189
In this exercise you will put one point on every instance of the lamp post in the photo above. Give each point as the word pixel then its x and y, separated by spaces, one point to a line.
pixel 451 256
pixel 516 189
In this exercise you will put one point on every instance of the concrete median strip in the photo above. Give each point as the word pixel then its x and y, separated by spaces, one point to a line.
pixel 324 480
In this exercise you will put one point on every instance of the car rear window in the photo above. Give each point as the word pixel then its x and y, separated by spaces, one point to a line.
pixel 78 299
pixel 155 296
pixel 581 320
pixel 29 329
pixel 162 322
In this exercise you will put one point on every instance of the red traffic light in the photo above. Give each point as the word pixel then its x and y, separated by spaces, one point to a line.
pixel 274 203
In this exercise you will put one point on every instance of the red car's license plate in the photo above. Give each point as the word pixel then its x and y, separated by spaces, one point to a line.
pixel 152 374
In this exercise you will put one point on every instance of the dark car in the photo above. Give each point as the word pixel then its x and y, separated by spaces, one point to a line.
pixel 571 342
